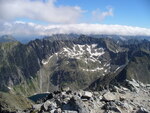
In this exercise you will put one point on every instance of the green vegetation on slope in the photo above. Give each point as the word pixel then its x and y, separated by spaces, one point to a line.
pixel 13 102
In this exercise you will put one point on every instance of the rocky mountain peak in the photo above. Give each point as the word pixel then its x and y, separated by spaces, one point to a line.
pixel 7 38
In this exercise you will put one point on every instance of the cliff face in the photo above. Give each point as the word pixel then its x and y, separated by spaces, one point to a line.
pixel 47 65
pixel 20 63
pixel 136 67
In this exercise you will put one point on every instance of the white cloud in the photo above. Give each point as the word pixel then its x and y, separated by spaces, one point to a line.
pixel 100 16
pixel 23 28
pixel 38 10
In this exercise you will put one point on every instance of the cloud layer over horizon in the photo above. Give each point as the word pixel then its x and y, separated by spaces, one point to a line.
pixel 26 18
pixel 30 29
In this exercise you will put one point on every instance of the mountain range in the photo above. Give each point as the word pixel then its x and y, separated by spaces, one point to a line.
pixel 75 61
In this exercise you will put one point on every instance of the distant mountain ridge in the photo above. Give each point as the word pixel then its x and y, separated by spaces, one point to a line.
pixel 7 38
pixel 25 39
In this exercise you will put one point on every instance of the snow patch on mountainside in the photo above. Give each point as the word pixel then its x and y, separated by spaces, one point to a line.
pixel 95 69
pixel 86 52
pixel 81 52
pixel 117 69
pixel 44 62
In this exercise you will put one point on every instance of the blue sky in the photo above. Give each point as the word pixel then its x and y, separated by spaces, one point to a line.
pixel 126 12
pixel 44 17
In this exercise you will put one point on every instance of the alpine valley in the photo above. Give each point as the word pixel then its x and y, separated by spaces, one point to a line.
pixel 79 74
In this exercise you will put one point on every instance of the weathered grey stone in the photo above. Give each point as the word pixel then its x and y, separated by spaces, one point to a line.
pixel 147 85
pixel 123 105
pixel 141 84
pixel 121 90
pixel 68 111
pixel 58 110
pixel 133 85
pixel 142 110
pixel 100 97
pixel 124 89
pixel 46 105
pixel 111 106
pixel 52 111
pixel 122 98
pixel 87 94
pixel 95 93
pixel 49 105
pixel 109 96
pixel 80 106
pixel 115 89
pixel 37 107
pixel 63 93
pixel 96 102
pixel 66 89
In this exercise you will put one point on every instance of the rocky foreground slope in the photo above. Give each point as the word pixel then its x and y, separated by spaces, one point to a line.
pixel 115 100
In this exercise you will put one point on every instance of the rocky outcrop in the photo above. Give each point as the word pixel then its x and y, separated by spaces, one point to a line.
pixel 96 102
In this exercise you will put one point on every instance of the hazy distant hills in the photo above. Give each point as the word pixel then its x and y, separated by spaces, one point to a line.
pixel 7 38
pixel 26 39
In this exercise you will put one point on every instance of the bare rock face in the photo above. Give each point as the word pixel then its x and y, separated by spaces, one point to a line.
pixel 37 106
pixel 48 105
pixel 133 85
pixel 105 101
pixel 86 95
pixel 112 107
